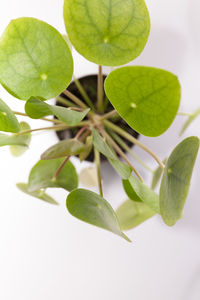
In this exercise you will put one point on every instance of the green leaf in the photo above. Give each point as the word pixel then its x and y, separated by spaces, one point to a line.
pixel 64 148
pixel 93 209
pixel 19 150
pixel 35 60
pixel 7 140
pixel 8 121
pixel 131 214
pixel 37 109
pixel 40 194
pixel 130 191
pixel 41 175
pixel 101 145
pixel 146 98
pixel 176 180
pixel 108 32
pixel 190 119
pixel 156 176
pixel 88 148
pixel 145 194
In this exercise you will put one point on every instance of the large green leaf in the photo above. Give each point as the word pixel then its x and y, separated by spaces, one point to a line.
pixel 40 194
pixel 35 60
pixel 7 140
pixel 41 175
pixel 19 150
pixel 131 214
pixel 64 148
pixel 146 98
pixel 8 121
pixel 101 145
pixel 144 193
pixel 94 209
pixel 107 32
pixel 176 180
pixel 37 109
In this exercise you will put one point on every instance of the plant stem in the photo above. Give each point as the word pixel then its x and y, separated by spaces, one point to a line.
pixel 120 152
pixel 44 119
pixel 75 99
pixel 134 141
pixel 56 128
pixel 80 132
pixel 108 115
pixel 100 91
pixel 98 168
pixel 64 101
pixel 184 114
pixel 126 148
pixel 61 167
pixel 83 93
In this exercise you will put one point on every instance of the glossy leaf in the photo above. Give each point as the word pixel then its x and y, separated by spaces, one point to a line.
pixel 41 175
pixel 93 209
pixel 37 109
pixel 8 121
pixel 63 148
pixel 145 194
pixel 108 32
pixel 190 119
pixel 131 214
pixel 19 150
pixel 146 98
pixel 40 194
pixel 35 60
pixel 7 140
pixel 176 180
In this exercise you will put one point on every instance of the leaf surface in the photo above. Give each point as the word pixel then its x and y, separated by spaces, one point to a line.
pixel 8 121
pixel 19 150
pixel 146 98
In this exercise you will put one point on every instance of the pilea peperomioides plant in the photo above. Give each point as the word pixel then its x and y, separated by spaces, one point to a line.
pixel 36 65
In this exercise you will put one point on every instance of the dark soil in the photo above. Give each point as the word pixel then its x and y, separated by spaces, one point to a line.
pixel 89 84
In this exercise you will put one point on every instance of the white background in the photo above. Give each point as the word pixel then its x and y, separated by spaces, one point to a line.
pixel 45 253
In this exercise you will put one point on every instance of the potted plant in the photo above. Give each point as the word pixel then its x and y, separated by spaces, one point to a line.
pixel 100 118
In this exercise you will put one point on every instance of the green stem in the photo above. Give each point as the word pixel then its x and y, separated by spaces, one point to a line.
pixel 64 101
pixel 129 150
pixel 184 114
pixel 83 93
pixel 60 168
pixel 44 119
pixel 75 99
pixel 120 152
pixel 98 168
pixel 108 115
pixel 100 91
pixel 134 141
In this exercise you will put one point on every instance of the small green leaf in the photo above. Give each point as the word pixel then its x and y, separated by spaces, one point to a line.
pixel 37 109
pixel 88 148
pixel 146 98
pixel 7 140
pixel 40 194
pixel 64 148
pixel 176 180
pixel 41 175
pixel 35 60
pixel 121 168
pixel 156 176
pixel 109 32
pixel 101 145
pixel 145 194
pixel 19 150
pixel 131 214
pixel 130 191
pixel 8 121
pixel 93 209
pixel 190 119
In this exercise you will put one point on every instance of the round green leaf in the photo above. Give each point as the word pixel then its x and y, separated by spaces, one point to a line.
pixel 7 140
pixel 176 180
pixel 37 109
pixel 93 209
pixel 40 194
pixel 19 150
pixel 41 175
pixel 107 32
pixel 8 121
pixel 131 214
pixel 146 98
pixel 35 60
pixel 64 148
